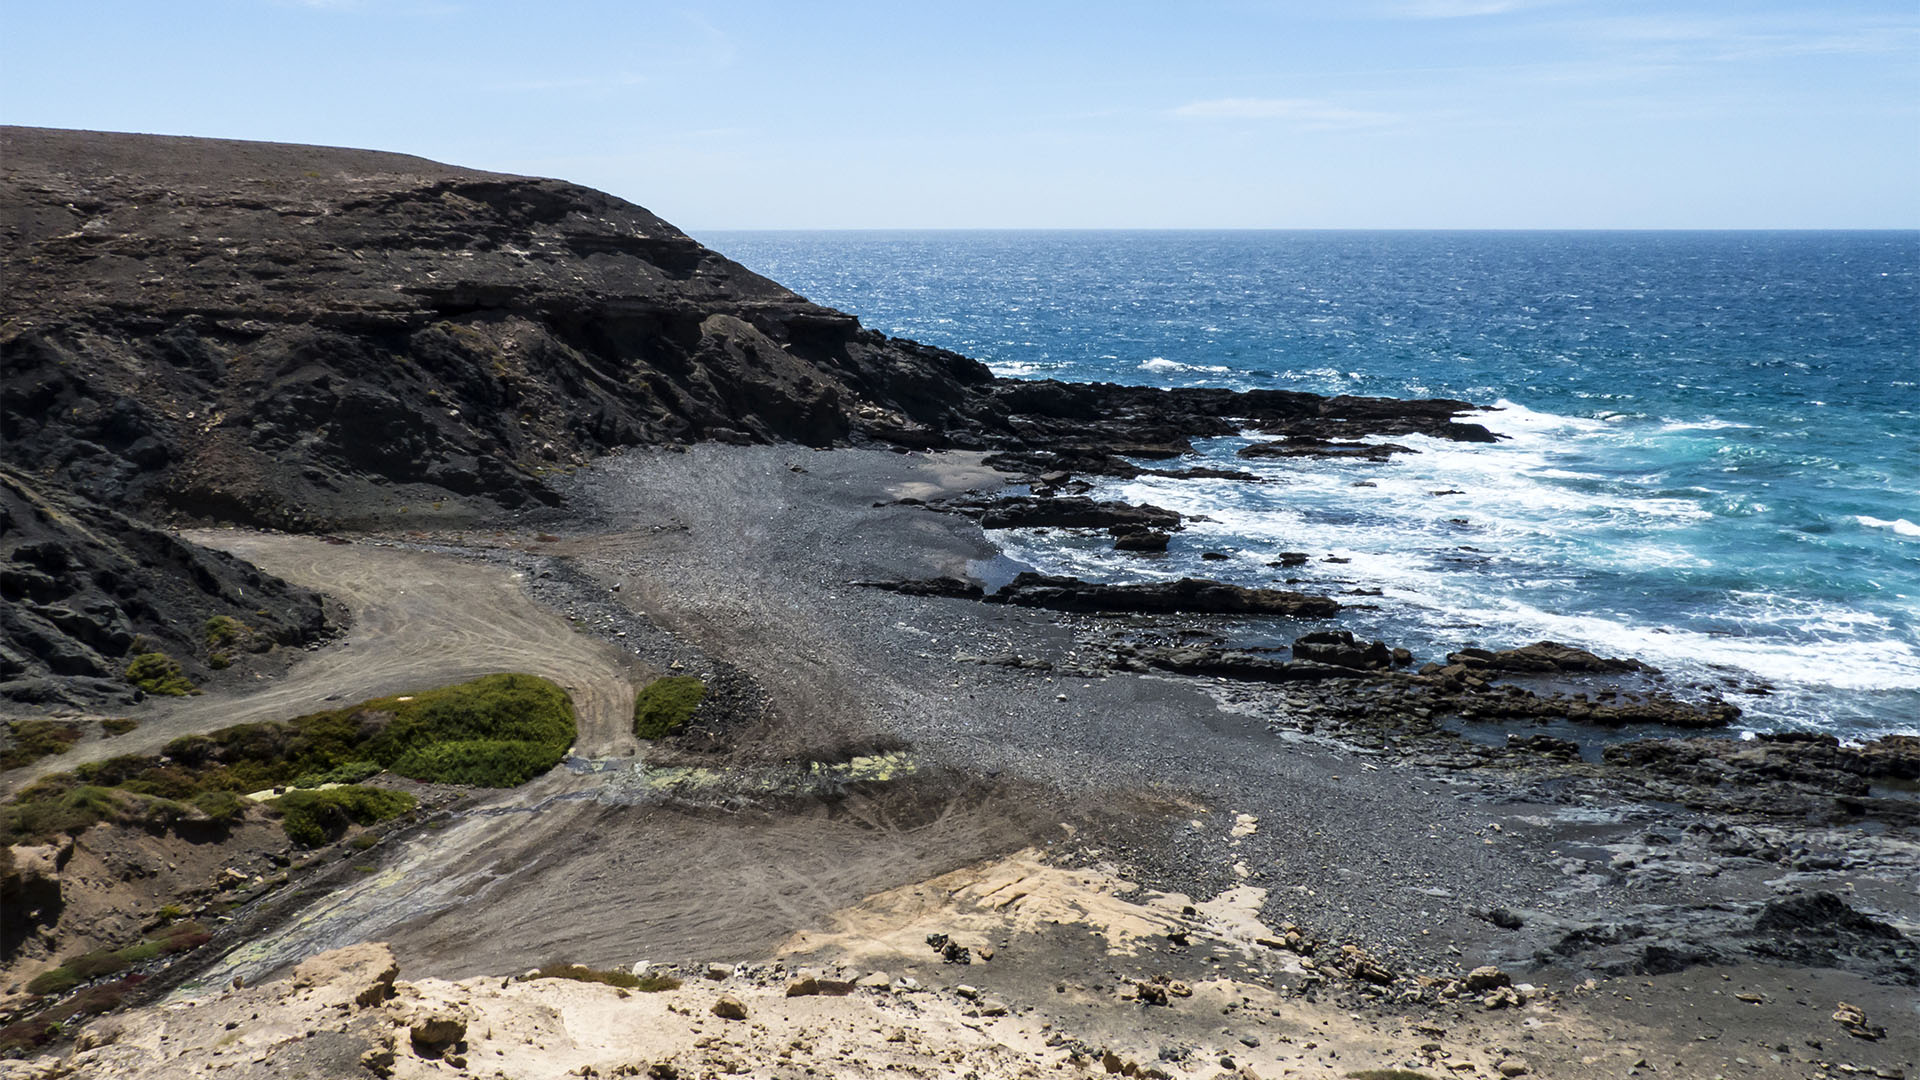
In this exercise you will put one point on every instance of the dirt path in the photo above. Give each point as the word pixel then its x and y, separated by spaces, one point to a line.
pixel 419 620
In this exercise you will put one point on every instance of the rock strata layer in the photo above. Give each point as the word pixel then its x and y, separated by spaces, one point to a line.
pixel 306 337
pixel 86 589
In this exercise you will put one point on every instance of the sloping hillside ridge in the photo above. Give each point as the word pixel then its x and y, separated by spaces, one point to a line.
pixel 304 337
pixel 307 337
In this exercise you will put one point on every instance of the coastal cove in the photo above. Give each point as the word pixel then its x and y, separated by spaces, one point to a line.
pixel 459 625
pixel 1708 458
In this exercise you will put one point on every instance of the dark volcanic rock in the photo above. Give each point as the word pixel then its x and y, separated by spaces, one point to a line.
pixel 86 587
pixel 304 336
pixel 1307 446
pixel 1075 512
pixel 1146 540
pixel 1545 656
pixel 1341 649
pixel 301 335
pixel 1225 664
pixel 1822 929
pixel 1187 595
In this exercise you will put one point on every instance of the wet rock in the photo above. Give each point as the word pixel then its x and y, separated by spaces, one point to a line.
pixel 955 588
pixel 1144 540
pixel 1341 649
pixel 1546 746
pixel 1029 512
pixel 1545 656
pixel 1223 664
pixel 1311 446
pixel 1187 595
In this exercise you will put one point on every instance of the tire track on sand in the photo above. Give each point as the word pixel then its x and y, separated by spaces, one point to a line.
pixel 420 620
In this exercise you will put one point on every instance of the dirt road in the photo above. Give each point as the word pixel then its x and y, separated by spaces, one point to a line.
pixel 419 620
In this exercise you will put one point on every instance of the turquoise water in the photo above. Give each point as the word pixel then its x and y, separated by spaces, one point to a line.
pixel 1712 460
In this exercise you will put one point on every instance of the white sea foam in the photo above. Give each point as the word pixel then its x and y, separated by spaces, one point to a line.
pixel 1899 525
pixel 1162 364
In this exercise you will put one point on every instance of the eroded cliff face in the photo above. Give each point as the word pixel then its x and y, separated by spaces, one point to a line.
pixel 304 337
pixel 310 338
pixel 84 590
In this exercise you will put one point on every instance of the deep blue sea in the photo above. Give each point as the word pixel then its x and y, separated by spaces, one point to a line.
pixel 1713 453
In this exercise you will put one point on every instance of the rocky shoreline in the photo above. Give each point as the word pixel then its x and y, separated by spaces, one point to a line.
pixel 591 449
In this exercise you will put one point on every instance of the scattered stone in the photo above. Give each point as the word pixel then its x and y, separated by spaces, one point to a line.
pixel 1487 977
pixel 1854 1020
pixel 727 1008
pixel 437 1033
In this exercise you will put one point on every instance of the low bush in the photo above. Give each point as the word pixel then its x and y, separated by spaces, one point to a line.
pixel 158 673
pixel 313 818
pixel 664 706
pixel 222 630
pixel 35 739
pixel 118 725
pixel 481 762
pixel 222 807
pixel 25 1036
pixel 353 772
pixel 499 730
pixel 58 981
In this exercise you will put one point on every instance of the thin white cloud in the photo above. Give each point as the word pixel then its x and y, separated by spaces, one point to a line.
pixel 1306 113
pixel 1759 37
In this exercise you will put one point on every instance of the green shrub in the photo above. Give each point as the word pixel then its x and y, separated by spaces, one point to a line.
pixel 118 725
pixel 35 739
pixel 224 807
pixel 664 706
pixel 58 981
pixel 157 673
pixel 352 772
pixel 481 762
pixel 223 630
pixel 313 818
pixel 499 730
pixel 97 963
pixel 172 913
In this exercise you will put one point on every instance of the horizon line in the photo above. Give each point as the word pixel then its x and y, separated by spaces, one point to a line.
pixel 1319 228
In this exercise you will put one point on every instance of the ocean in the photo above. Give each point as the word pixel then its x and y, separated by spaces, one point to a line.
pixel 1712 459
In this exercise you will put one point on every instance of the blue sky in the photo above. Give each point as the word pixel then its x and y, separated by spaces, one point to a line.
pixel 1365 114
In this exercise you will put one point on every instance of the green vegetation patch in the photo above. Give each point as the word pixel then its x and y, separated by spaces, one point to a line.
pixel 353 772
pixel 118 725
pixel 158 673
pixel 313 818
pixel 664 706
pixel 178 938
pixel 625 980
pixel 496 731
pixel 35 739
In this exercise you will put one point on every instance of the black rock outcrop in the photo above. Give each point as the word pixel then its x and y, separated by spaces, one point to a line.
pixel 86 588
pixel 305 337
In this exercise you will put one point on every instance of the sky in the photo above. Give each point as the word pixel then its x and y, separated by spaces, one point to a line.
pixel 920 114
